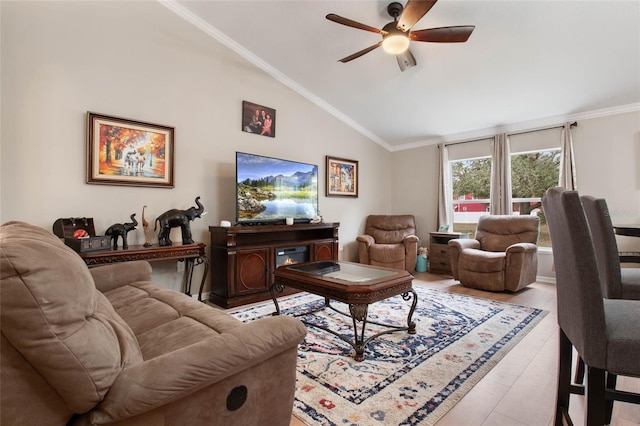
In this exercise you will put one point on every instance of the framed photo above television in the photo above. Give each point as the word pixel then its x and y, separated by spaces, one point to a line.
pixel 270 190
pixel 258 119
pixel 342 177
pixel 129 152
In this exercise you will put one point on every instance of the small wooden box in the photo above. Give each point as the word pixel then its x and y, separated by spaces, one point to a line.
pixel 65 227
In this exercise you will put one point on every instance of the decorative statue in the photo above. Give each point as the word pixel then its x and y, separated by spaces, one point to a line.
pixel 174 218
pixel 145 227
pixel 121 229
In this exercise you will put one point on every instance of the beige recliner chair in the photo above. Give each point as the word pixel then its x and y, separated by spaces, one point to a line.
pixel 106 346
pixel 389 241
pixel 503 255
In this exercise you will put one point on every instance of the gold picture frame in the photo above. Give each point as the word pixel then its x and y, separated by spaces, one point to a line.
pixel 128 152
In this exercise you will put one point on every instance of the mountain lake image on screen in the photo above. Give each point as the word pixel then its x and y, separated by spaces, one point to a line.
pixel 269 190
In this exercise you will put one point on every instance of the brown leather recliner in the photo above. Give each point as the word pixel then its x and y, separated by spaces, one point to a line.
pixel 106 346
pixel 503 255
pixel 389 241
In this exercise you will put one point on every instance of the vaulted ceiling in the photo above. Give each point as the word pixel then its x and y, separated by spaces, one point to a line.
pixel 527 63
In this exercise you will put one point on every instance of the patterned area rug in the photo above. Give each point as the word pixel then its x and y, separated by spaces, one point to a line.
pixel 405 379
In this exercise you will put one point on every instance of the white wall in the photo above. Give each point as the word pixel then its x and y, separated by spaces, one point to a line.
pixel 607 162
pixel 416 187
pixel 138 60
pixel 608 166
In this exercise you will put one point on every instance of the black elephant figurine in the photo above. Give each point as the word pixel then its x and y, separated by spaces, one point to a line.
pixel 120 230
pixel 174 218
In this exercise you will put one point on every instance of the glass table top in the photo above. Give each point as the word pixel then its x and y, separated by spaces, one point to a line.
pixel 351 272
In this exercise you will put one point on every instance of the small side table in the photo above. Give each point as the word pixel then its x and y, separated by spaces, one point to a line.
pixel 439 251
pixel 192 254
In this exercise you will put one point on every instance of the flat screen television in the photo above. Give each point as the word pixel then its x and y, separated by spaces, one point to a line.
pixel 269 190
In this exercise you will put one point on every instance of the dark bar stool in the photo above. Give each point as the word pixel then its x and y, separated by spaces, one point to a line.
pixel 599 329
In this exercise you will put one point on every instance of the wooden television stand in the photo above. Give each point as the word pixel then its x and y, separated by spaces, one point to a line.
pixel 244 258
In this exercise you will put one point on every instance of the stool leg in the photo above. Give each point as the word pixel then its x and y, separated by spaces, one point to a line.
pixel 579 373
pixel 564 379
pixel 611 384
pixel 595 396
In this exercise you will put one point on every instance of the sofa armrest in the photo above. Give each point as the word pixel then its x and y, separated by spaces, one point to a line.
pixel 365 239
pixel 521 248
pixel 411 252
pixel 116 275
pixel 456 247
pixel 464 243
pixel 153 383
pixel 364 243
pixel 410 239
pixel 521 266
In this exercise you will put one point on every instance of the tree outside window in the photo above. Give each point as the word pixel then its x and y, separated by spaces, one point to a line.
pixel 532 173
pixel 471 184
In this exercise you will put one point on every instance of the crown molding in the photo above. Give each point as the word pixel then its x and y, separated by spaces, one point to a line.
pixel 530 125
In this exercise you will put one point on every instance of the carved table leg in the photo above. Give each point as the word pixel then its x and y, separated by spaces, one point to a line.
pixel 359 313
pixel 411 326
pixel 276 288
pixel 188 275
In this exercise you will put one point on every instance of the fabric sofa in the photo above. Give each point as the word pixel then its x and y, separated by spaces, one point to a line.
pixel 106 346
pixel 389 241
pixel 503 256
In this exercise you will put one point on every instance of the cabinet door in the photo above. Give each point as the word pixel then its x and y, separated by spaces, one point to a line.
pixel 323 251
pixel 252 271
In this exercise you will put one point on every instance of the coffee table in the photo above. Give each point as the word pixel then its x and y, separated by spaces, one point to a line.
pixel 354 284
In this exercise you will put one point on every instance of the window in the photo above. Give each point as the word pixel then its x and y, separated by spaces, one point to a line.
pixel 471 184
pixel 535 167
pixel 532 173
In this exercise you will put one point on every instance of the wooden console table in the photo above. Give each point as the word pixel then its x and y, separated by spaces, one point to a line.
pixel 191 254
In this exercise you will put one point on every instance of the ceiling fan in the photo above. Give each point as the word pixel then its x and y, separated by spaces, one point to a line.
pixel 396 35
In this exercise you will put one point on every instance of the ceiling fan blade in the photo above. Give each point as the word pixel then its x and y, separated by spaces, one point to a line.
pixel 457 34
pixel 353 24
pixel 406 60
pixel 413 12
pixel 360 53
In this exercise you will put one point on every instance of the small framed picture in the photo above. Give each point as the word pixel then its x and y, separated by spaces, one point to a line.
pixel 128 152
pixel 258 119
pixel 342 177
pixel 444 228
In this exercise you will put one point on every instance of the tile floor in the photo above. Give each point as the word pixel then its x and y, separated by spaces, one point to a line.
pixel 520 390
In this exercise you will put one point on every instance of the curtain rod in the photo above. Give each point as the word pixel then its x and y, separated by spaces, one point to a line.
pixel 574 124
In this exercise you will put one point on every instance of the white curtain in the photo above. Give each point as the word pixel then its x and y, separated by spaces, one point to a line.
pixel 567 177
pixel 445 206
pixel 500 175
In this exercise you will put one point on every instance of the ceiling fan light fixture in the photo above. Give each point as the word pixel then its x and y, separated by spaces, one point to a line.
pixel 395 44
